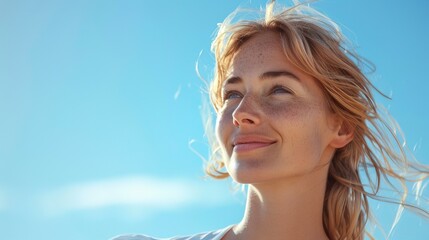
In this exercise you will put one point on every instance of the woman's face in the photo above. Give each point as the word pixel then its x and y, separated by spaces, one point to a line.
pixel 274 123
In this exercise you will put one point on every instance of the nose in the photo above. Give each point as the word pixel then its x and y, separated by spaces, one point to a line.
pixel 246 113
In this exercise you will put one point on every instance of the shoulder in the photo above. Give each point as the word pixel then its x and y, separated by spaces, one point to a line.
pixel 213 235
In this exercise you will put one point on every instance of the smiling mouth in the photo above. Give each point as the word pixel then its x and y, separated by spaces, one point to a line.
pixel 249 146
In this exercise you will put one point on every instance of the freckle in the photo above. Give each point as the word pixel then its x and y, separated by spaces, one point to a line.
pixel 286 110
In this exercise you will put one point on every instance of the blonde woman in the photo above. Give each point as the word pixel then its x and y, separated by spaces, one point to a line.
pixel 297 123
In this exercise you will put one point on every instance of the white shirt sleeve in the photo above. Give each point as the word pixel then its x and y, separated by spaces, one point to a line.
pixel 133 237
pixel 213 235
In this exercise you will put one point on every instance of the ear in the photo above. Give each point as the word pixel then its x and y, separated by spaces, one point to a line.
pixel 344 134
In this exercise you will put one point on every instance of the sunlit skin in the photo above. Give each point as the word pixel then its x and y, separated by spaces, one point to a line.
pixel 279 137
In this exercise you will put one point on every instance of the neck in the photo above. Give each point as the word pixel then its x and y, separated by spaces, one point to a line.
pixel 285 209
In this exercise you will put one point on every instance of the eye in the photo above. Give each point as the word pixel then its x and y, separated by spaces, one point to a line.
pixel 231 95
pixel 279 89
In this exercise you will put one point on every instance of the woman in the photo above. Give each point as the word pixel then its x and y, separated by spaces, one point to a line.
pixel 297 123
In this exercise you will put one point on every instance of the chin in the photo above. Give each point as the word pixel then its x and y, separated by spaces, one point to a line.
pixel 250 171
pixel 249 176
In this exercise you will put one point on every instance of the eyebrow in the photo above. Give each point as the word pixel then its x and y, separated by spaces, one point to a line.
pixel 263 76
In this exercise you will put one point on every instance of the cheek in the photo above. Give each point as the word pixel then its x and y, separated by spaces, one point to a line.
pixel 283 112
pixel 223 126
pixel 299 122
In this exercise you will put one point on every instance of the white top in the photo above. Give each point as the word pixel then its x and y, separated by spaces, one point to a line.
pixel 214 235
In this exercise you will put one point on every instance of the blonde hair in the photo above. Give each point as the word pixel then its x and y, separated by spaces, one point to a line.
pixel 315 45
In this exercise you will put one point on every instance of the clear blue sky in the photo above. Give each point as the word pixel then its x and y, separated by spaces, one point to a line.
pixel 100 102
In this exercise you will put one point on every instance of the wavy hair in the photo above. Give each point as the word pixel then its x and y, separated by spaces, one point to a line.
pixel 314 44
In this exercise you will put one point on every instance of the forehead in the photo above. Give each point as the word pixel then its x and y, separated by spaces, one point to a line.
pixel 262 41
pixel 263 48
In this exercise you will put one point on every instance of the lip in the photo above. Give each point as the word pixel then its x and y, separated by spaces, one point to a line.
pixel 245 143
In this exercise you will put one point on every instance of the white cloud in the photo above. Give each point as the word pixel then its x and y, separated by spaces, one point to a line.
pixel 150 193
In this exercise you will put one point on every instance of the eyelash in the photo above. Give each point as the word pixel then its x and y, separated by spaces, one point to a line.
pixel 227 95
pixel 280 87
